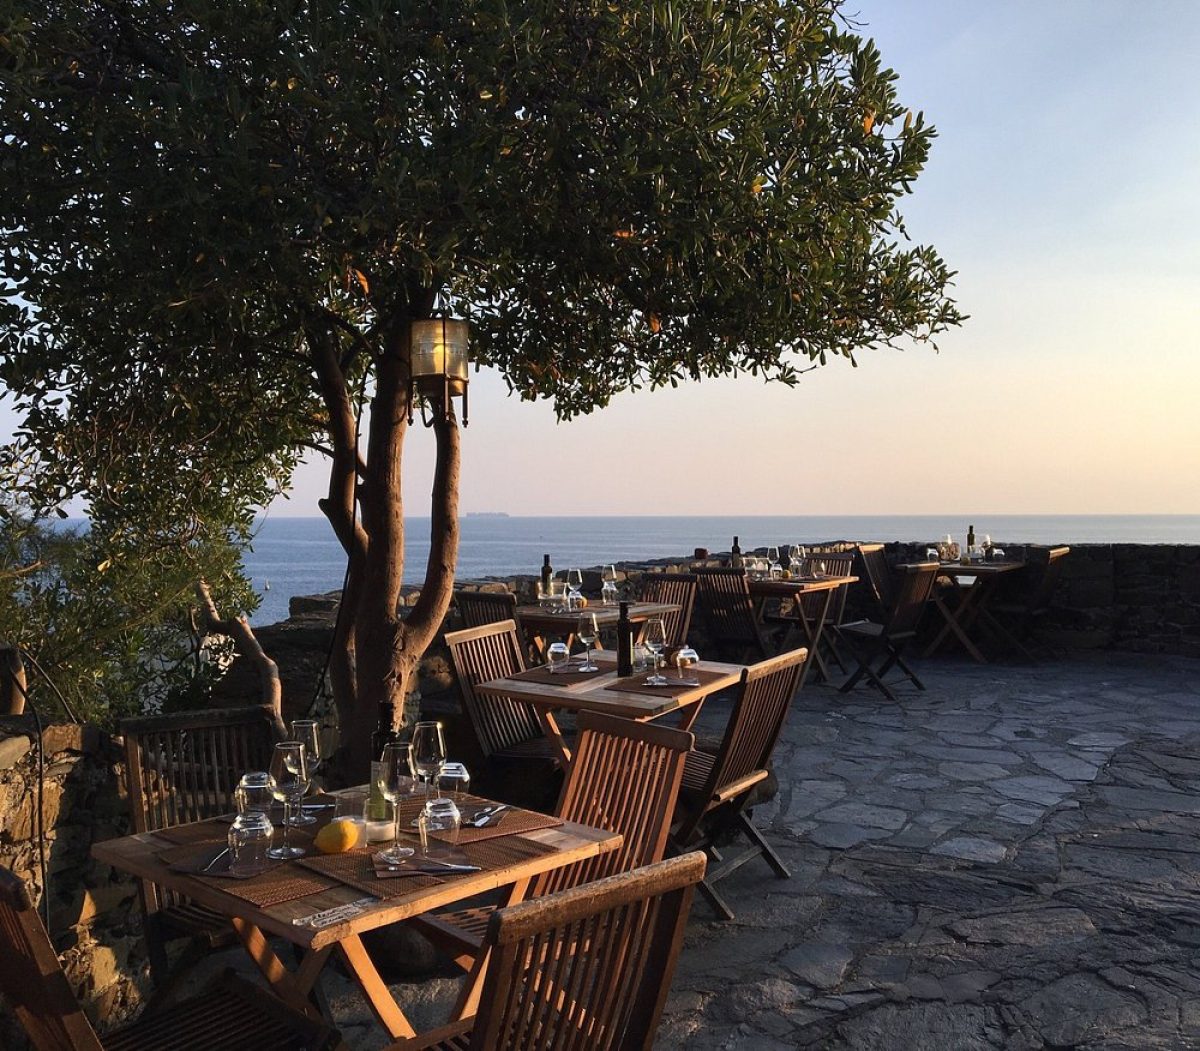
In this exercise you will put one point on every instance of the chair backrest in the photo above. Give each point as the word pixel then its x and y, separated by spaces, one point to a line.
pixel 914 585
pixel 32 979
pixel 764 695
pixel 1046 566
pixel 676 588
pixel 837 564
pixel 588 969
pixel 476 608
pixel 875 577
pixel 492 651
pixel 725 604
pixel 185 766
pixel 624 777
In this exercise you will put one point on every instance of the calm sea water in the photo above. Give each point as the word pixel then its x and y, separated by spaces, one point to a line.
pixel 299 556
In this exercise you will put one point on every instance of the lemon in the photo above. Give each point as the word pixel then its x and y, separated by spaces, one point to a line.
pixel 337 837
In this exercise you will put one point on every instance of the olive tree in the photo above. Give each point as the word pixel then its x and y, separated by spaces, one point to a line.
pixel 220 220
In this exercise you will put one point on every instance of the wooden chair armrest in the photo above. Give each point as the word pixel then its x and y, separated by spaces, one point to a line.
pixel 736 788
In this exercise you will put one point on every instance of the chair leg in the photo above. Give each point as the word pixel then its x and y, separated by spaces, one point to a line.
pixel 709 894
pixel 756 837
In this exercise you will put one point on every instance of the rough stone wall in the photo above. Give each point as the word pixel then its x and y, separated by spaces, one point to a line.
pixel 95 922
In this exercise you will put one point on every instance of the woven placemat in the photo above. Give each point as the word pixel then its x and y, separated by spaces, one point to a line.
pixel 285 882
pixel 500 853
pixel 513 821
pixel 571 677
pixel 355 869
pixel 214 830
pixel 637 683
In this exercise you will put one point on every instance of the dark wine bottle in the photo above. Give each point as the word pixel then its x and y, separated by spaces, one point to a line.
pixel 970 539
pixel 624 642
pixel 735 555
pixel 384 733
pixel 547 574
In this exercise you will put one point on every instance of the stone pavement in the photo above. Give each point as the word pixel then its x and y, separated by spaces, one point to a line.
pixel 1009 860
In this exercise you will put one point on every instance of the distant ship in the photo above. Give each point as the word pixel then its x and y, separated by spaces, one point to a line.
pixel 487 514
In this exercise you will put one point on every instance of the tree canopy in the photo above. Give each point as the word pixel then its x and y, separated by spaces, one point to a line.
pixel 219 220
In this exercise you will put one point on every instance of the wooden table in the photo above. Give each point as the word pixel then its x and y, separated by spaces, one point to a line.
pixel 138 855
pixel 975 585
pixel 538 623
pixel 594 695
pixel 811 628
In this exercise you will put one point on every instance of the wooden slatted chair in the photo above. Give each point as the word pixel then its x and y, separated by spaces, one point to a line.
pixel 179 768
pixel 875 579
pixel 587 969
pixel 727 609
pixel 1012 618
pixel 476 608
pixel 717 786
pixel 506 730
pixel 232 1015
pixel 675 588
pixel 624 778
pixel 867 639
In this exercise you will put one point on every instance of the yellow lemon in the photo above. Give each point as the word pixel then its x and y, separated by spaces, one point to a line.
pixel 337 837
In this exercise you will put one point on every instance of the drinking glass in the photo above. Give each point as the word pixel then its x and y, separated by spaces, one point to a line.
pixel 932 555
pixel 438 827
pixel 428 752
pixel 655 640
pixel 608 590
pixel 291 782
pixel 453 783
pixel 558 657
pixel 773 566
pixel 587 633
pixel 255 793
pixel 249 842
pixel 399 783
pixel 796 560
pixel 308 733
pixel 574 588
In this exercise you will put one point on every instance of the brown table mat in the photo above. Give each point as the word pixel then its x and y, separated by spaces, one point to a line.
pixel 637 683
pixel 355 869
pixel 283 882
pixel 513 821
pixel 565 678
pixel 214 830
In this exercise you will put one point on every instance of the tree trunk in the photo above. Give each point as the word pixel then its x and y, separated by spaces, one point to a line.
pixel 12 680
pixel 376 651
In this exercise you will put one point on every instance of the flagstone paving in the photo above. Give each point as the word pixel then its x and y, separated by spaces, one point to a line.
pixel 1008 860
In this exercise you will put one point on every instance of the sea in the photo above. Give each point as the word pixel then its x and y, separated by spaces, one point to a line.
pixel 299 556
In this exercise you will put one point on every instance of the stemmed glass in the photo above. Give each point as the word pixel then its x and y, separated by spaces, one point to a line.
pixel 308 733
pixel 574 588
pixel 655 640
pixel 428 752
pixel 587 633
pixel 291 782
pixel 399 783
pixel 774 569
pixel 796 560
pixel 608 591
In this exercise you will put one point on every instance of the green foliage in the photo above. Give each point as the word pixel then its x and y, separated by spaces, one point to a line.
pixel 619 195
pixel 109 616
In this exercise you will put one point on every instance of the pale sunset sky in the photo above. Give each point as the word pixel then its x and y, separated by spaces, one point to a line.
pixel 1062 188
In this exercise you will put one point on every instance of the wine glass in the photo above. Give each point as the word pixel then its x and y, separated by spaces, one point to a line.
pixel 308 733
pixel 454 782
pixel 774 569
pixel 655 640
pixel 399 783
pixel 608 590
pixel 574 588
pixel 428 752
pixel 291 782
pixel 587 633
pixel 796 560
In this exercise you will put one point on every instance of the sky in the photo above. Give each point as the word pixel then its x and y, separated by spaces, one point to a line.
pixel 1061 188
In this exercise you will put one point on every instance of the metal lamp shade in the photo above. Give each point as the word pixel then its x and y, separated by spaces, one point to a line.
pixel 439 355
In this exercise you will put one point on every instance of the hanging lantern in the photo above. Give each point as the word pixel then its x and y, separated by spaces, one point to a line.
pixel 438 362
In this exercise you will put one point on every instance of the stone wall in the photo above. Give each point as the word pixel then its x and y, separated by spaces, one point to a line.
pixel 95 922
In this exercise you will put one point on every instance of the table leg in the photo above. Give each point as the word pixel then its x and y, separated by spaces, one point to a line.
pixel 379 999
pixel 813 632
pixel 689 713
pixel 468 997
pixel 292 988
pixel 552 730
pixel 956 621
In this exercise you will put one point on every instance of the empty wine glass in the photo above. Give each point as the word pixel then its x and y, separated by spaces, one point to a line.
pixel 796 559
pixel 454 782
pixel 308 733
pixel 608 590
pixel 574 588
pixel 773 566
pixel 655 640
pixel 399 783
pixel 290 784
pixel 428 752
pixel 587 633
